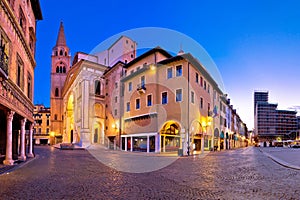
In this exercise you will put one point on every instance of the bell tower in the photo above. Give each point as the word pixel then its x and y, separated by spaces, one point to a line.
pixel 60 62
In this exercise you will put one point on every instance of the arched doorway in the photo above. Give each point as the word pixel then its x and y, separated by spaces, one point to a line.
pixel 196 134
pixel 170 136
pixel 98 133
pixel 71 134
pixel 222 140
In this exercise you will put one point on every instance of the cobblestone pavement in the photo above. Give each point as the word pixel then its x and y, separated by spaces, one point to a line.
pixel 235 174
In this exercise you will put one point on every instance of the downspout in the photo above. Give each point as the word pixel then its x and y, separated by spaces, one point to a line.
pixel 188 110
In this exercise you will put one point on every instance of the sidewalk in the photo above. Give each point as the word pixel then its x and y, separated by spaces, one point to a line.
pixel 8 168
pixel 288 157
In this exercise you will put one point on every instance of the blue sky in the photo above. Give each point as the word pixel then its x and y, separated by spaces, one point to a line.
pixel 255 44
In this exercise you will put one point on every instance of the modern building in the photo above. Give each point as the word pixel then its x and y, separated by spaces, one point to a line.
pixel 18 20
pixel 41 115
pixel 271 124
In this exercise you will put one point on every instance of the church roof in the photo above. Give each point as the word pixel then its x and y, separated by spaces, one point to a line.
pixel 61 39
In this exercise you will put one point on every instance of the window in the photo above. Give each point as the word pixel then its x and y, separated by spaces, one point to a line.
pixel 57 69
pixel 201 81
pixel 208 109
pixel 178 95
pixel 137 104
pixel 29 86
pixel 164 98
pixel 56 92
pixel 201 102
pixel 116 112
pixel 20 72
pixel 97 87
pixel 204 85
pixel 169 73
pixel 192 97
pixel 130 86
pixel 127 106
pixel 179 70
pixel 149 100
pixel 47 130
pixel 61 53
pixel 116 85
pixel 39 130
pixel 55 117
pixel 64 69
pixel 208 88
pixel 22 20
pixel 48 122
pixel 197 77
pixel 116 99
pixel 143 81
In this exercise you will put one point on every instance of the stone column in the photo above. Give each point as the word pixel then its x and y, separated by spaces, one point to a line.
pixel 30 154
pixel 22 156
pixel 8 157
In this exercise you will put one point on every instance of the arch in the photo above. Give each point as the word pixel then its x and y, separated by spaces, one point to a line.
pixel 196 135
pixel 61 52
pixel 72 134
pixel 170 136
pixel 97 87
pixel 56 92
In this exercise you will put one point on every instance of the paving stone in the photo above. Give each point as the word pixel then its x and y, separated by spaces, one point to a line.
pixel 235 174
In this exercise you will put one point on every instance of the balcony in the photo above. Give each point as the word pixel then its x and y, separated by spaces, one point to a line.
pixel 141 88
pixel 3 63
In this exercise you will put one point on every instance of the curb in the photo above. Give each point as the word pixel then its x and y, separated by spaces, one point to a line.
pixel 14 167
pixel 279 161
